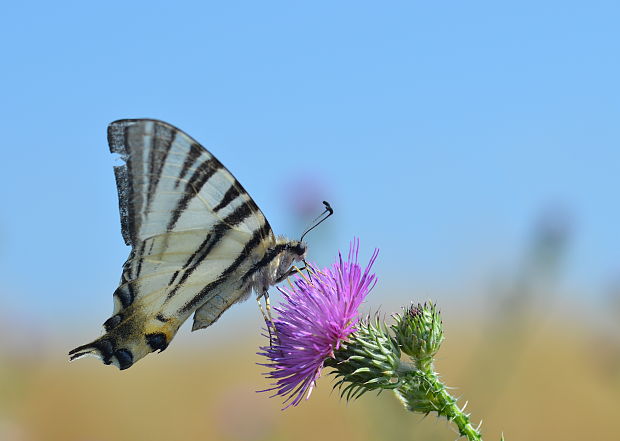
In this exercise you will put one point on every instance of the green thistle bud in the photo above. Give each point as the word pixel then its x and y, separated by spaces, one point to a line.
pixel 419 333
pixel 369 360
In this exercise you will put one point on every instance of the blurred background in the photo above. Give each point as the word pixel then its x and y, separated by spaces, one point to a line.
pixel 476 144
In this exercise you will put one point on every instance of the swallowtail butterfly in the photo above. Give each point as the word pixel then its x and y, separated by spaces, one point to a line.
pixel 199 243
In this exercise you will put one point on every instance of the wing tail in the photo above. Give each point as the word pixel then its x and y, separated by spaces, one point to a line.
pixel 129 341
pixel 102 348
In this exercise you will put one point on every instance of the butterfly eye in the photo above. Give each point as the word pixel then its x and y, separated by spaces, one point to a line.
pixel 301 249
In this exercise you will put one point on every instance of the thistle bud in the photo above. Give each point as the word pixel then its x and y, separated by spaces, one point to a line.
pixel 419 333
pixel 369 360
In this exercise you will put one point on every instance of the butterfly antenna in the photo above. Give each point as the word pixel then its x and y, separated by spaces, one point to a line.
pixel 321 217
pixel 315 223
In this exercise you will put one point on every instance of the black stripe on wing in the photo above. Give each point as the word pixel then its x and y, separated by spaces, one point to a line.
pixel 193 186
pixel 161 143
pixel 230 195
pixel 217 233
pixel 197 256
pixel 248 249
pixel 195 152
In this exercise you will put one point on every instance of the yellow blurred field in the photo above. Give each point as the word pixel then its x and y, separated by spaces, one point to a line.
pixel 561 384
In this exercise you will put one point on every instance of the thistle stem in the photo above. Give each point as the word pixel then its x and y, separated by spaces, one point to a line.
pixel 423 392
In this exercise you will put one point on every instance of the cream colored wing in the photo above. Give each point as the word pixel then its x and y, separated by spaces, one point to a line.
pixel 194 231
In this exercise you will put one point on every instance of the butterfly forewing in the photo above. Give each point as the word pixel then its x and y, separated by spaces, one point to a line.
pixel 170 183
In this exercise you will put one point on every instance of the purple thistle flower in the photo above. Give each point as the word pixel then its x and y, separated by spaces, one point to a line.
pixel 314 318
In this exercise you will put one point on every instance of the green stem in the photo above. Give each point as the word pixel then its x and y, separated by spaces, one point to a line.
pixel 423 392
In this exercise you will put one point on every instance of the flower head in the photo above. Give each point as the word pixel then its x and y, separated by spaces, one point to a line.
pixel 316 316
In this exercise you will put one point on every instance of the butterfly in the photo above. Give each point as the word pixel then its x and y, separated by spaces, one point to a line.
pixel 199 243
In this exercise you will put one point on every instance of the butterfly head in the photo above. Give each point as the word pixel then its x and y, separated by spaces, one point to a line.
pixel 294 251
pixel 297 249
pixel 288 252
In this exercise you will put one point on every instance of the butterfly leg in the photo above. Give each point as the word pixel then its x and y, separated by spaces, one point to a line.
pixel 262 311
pixel 267 315
pixel 307 269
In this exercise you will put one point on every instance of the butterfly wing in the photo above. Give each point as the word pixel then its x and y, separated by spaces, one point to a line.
pixel 194 232
pixel 170 183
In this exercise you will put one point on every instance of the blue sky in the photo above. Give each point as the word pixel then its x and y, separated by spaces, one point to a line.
pixel 439 132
